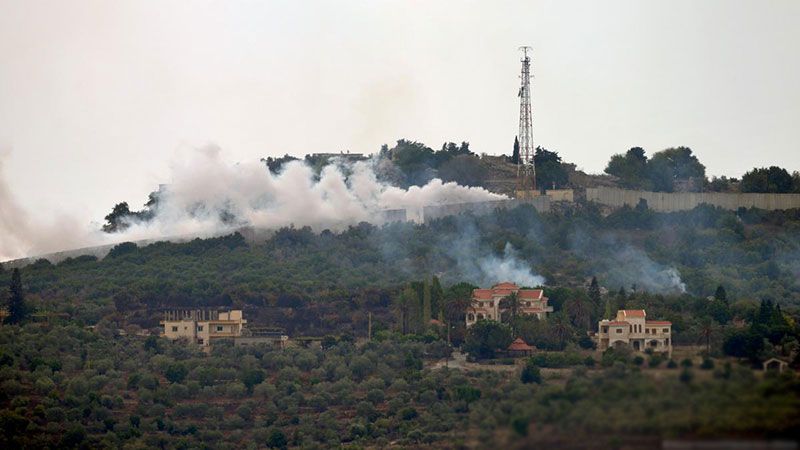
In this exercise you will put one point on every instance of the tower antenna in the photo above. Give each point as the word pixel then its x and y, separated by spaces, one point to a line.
pixel 526 171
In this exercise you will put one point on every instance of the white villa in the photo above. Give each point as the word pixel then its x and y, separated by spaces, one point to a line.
pixel 632 329
pixel 486 302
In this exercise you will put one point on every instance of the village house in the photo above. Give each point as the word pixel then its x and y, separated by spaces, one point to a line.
pixel 487 303
pixel 202 326
pixel 632 329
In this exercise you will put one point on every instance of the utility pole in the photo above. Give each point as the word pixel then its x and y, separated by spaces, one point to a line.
pixel 526 171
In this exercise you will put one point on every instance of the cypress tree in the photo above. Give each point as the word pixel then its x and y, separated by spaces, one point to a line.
pixel 515 152
pixel 607 311
pixel 426 305
pixel 437 299
pixel 594 291
pixel 17 310
pixel 721 295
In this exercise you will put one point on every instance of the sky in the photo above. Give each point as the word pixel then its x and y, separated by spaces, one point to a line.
pixel 98 98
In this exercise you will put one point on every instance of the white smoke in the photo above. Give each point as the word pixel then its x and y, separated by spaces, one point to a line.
pixel 21 234
pixel 508 268
pixel 203 189
pixel 205 186
pixel 633 266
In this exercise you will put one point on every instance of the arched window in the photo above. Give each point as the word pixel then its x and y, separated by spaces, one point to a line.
pixel 480 316
pixel 471 317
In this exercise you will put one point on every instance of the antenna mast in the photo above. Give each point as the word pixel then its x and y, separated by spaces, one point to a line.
pixel 526 171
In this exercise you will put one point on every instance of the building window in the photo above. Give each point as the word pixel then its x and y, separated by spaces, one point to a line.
pixel 619 330
pixel 665 330
pixel 219 327
pixel 175 329
pixel 480 316
pixel 470 317
pixel 199 328
pixel 604 329
pixel 200 341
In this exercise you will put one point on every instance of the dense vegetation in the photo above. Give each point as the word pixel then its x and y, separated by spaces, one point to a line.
pixel 68 387
pixel 76 373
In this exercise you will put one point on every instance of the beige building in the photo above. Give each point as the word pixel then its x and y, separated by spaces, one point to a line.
pixel 201 326
pixel 632 329
pixel 486 303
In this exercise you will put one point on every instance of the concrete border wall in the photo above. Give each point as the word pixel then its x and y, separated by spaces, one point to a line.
pixel 682 201
pixel 540 203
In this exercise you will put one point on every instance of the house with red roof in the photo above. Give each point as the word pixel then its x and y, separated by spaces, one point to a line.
pixel 632 329
pixel 487 304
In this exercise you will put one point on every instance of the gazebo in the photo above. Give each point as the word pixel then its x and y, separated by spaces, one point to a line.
pixel 774 364
pixel 520 348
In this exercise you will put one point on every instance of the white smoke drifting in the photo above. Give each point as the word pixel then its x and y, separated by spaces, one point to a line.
pixel 203 189
pixel 634 267
pixel 508 268
pixel 22 235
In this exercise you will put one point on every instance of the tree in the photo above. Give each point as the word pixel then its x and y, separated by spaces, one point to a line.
pixel 594 292
pixel 457 299
pixel 405 305
pixel 511 304
pixel 426 305
pixel 114 219
pixel 277 439
pixel 515 152
pixel 743 344
pixel 437 298
pixel 466 170
pixel 769 180
pixel 17 309
pixel 485 337
pixel 530 373
pixel 550 172
pixel 674 164
pixel 721 295
pixel 630 168
pixel 176 372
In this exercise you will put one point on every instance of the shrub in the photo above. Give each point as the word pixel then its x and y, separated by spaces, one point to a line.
pixel 277 439
pixel 672 364
pixel 686 363
pixel 707 364
pixel 530 373
pixel 638 360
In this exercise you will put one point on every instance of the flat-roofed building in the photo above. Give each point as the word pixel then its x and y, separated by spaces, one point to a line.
pixel 202 326
pixel 632 329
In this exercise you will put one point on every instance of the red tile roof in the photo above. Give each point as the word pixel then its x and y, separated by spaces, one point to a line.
pixel 531 293
pixel 633 313
pixel 482 294
pixel 505 285
pixel 519 345
pixel 657 322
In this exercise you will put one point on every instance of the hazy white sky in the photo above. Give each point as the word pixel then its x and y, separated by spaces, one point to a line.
pixel 97 98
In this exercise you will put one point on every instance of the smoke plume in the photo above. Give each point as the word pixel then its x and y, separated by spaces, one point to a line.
pixel 509 267
pixel 206 196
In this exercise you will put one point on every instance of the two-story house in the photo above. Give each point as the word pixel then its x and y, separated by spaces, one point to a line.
pixel 632 329
pixel 201 326
pixel 487 304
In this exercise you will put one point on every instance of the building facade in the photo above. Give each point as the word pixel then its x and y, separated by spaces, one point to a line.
pixel 203 327
pixel 487 304
pixel 632 329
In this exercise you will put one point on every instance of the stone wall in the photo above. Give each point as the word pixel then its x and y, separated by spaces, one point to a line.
pixel 541 203
pixel 682 201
